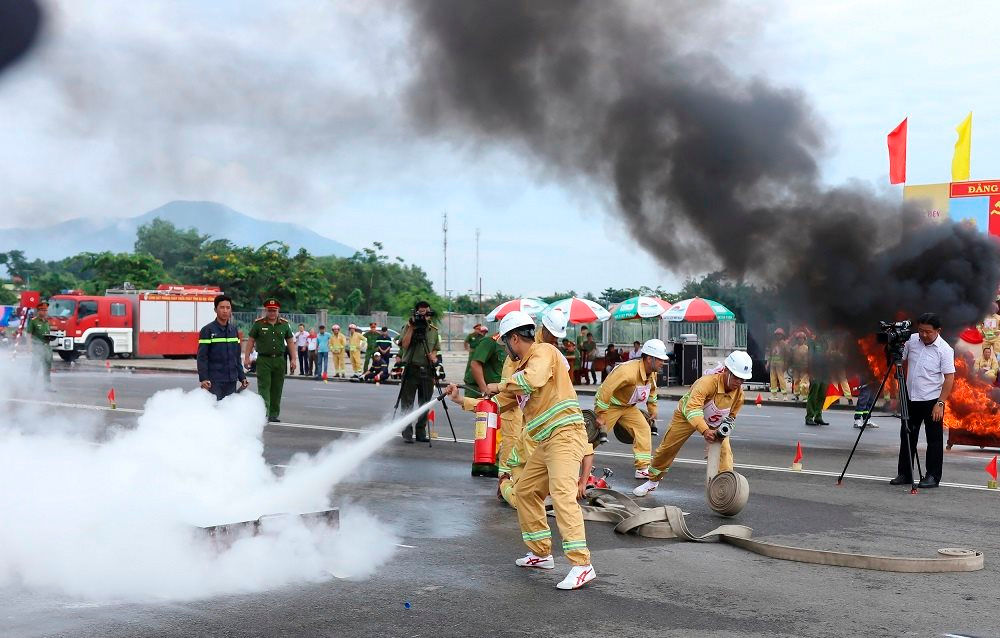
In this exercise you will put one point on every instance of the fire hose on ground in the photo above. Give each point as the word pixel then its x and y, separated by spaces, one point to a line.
pixel 727 493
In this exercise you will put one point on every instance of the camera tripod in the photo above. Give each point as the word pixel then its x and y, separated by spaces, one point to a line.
pixel 894 357
pixel 437 384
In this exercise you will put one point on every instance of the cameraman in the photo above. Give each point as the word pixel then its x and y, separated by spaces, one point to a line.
pixel 419 343
pixel 930 373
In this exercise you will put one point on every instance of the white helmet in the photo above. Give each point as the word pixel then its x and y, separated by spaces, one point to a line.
pixel 555 321
pixel 513 320
pixel 740 364
pixel 655 348
pixel 336 326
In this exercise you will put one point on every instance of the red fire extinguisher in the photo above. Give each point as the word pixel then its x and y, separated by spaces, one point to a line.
pixel 484 447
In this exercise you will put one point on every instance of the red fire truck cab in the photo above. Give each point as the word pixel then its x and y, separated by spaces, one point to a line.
pixel 131 323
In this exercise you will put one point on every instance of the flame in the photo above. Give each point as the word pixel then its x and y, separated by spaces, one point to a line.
pixel 972 405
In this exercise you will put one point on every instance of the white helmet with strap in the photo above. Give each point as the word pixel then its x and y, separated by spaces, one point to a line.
pixel 740 364
pixel 655 348
pixel 514 320
pixel 555 322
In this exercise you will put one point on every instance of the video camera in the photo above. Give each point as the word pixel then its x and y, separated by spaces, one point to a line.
pixel 422 319
pixel 894 335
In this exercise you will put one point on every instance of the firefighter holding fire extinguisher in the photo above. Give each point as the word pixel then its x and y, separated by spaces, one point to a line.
pixel 553 420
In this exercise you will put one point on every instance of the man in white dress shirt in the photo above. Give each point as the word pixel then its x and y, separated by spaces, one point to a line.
pixel 930 373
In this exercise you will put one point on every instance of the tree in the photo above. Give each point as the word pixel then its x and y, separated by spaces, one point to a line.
pixel 54 282
pixel 17 265
pixel 172 246
pixel 113 270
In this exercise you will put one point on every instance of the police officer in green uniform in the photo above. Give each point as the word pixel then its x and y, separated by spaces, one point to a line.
pixel 419 343
pixel 371 337
pixel 38 344
pixel 272 336
pixel 485 366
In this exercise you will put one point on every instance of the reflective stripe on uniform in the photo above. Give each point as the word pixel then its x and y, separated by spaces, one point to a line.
pixel 220 340
pixel 536 536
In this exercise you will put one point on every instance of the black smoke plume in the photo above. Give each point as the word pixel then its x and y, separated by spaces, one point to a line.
pixel 709 171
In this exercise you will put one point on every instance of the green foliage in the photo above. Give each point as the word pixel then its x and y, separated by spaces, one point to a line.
pixel 169 244
pixel 53 282
pixel 112 270
pixel 8 297
pixel 739 297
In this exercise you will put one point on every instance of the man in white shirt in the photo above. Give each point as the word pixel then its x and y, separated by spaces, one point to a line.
pixel 635 352
pixel 930 373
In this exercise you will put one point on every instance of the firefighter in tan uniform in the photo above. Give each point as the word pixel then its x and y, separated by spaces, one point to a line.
pixel 798 354
pixel 990 329
pixel 617 400
pixel 552 418
pixel 338 348
pixel 711 399
pixel 777 359
pixel 357 343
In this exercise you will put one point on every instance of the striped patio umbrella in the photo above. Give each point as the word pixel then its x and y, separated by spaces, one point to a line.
pixel 580 310
pixel 698 309
pixel 641 307
pixel 530 305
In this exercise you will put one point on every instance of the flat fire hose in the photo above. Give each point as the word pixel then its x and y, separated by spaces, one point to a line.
pixel 667 521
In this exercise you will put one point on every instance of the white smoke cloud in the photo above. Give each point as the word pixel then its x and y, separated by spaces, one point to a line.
pixel 115 519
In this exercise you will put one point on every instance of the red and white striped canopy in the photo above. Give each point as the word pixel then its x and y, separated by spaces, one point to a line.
pixel 529 305
pixel 698 309
pixel 580 310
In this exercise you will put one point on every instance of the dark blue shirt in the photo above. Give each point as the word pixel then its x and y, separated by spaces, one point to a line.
pixel 219 353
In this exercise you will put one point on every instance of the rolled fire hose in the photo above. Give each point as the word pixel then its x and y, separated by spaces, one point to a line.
pixel 727 492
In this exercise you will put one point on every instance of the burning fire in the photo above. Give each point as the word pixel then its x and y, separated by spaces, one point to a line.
pixel 972 405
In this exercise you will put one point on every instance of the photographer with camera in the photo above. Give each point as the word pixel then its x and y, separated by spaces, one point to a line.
pixel 419 343
pixel 930 372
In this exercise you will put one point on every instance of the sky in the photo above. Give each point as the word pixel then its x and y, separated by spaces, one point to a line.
pixel 293 111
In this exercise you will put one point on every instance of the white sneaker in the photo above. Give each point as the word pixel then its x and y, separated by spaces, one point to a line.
pixel 857 424
pixel 645 488
pixel 577 577
pixel 642 473
pixel 531 560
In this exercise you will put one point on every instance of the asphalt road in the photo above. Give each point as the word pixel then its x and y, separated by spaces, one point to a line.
pixel 457 572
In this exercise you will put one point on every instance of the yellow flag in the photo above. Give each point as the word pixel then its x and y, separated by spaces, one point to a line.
pixel 963 151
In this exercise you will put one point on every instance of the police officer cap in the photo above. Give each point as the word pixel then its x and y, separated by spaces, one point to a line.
pixel 271 302
pixel 42 305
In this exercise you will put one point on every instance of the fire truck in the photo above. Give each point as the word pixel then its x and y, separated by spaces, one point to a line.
pixel 131 323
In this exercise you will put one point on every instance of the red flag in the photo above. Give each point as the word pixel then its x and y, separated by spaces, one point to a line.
pixel 991 468
pixel 833 395
pixel 897 153
pixel 798 452
pixel 111 396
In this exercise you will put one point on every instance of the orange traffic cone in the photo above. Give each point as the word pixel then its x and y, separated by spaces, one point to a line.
pixel 760 400
pixel 797 461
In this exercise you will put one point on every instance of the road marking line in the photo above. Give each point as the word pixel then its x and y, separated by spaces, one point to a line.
pixel 333 428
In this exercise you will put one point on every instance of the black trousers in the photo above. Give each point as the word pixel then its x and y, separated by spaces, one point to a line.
pixel 222 389
pixel 416 381
pixel 920 413
pixel 303 362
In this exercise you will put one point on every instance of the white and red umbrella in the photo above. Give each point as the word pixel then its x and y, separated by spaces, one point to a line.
pixel 641 307
pixel 580 310
pixel 530 305
pixel 698 309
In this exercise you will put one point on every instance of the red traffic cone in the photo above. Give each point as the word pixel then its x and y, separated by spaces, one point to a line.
pixel 760 400
pixel 107 365
pixel 111 398
pixel 991 469
pixel 797 461
pixel 324 377
pixel 432 425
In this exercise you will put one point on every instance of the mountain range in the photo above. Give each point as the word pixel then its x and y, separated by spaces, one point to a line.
pixel 118 235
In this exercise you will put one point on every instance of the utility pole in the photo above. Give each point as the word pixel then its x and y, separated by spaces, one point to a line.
pixel 479 284
pixel 444 231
